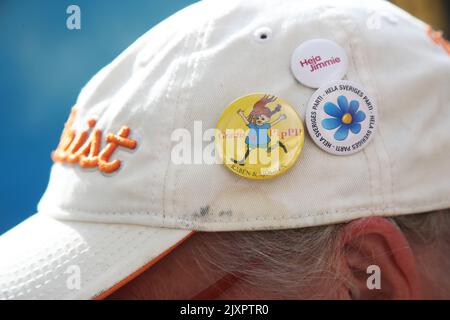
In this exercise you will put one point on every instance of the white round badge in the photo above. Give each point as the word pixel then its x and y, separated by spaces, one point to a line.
pixel 318 61
pixel 341 117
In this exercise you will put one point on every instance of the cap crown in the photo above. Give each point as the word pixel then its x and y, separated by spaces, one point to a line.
pixel 192 65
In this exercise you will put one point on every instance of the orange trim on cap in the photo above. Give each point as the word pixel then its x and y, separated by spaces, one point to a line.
pixel 438 38
pixel 139 271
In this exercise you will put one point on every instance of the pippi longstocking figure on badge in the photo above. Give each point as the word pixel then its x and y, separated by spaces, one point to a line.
pixel 258 121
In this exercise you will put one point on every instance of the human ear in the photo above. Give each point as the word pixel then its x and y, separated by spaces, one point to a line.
pixel 374 247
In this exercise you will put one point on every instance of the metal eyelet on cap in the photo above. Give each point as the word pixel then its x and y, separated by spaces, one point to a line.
pixel 263 34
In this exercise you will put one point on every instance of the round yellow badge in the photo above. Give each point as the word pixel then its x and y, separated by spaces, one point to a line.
pixel 259 136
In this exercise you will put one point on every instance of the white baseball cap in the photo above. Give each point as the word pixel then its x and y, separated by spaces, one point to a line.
pixel 110 219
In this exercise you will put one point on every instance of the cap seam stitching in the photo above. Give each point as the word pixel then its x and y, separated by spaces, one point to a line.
pixel 168 91
pixel 200 44
pixel 317 213
pixel 351 44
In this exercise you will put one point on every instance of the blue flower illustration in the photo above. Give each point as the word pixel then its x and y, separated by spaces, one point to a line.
pixel 346 117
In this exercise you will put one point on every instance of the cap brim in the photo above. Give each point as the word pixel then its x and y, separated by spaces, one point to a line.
pixel 44 258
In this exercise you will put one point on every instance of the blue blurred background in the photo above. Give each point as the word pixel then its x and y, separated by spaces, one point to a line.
pixel 43 66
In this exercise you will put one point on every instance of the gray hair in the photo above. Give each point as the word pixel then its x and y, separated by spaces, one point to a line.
pixel 286 261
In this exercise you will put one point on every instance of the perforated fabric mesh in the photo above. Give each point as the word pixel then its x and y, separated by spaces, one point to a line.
pixel 42 258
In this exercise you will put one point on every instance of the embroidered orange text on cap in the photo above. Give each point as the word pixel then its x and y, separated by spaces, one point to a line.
pixel 84 149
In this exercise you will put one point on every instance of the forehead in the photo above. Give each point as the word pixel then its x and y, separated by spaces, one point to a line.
pixel 167 280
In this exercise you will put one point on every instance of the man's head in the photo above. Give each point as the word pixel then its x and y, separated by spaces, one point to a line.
pixel 371 258
pixel 136 175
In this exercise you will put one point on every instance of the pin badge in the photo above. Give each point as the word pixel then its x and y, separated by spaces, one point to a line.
pixel 319 61
pixel 341 117
pixel 259 136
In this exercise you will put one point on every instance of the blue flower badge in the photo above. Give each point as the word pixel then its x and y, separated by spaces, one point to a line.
pixel 346 117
